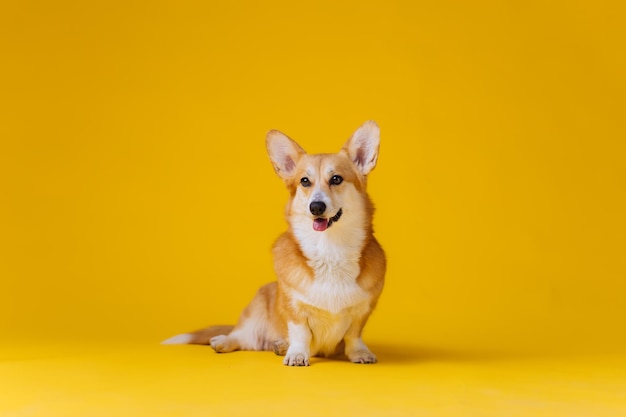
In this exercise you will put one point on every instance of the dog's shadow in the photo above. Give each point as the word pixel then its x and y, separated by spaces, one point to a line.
pixel 406 354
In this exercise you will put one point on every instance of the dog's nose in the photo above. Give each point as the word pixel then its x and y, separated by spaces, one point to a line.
pixel 317 208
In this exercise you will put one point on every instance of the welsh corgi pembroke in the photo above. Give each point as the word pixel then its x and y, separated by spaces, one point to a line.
pixel 329 267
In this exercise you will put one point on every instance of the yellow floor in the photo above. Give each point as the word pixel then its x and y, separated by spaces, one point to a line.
pixel 137 198
pixel 65 379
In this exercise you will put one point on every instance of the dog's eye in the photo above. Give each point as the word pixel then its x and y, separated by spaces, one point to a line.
pixel 336 180
pixel 305 182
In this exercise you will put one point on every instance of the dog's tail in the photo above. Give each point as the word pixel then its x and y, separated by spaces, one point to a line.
pixel 199 337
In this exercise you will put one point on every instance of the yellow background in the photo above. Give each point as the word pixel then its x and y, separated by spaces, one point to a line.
pixel 137 200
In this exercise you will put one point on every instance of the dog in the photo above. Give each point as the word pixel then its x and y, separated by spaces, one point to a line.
pixel 330 268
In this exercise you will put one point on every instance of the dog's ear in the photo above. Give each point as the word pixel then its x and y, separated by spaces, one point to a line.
pixel 284 153
pixel 363 147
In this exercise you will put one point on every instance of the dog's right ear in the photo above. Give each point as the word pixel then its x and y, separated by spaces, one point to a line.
pixel 363 147
pixel 284 153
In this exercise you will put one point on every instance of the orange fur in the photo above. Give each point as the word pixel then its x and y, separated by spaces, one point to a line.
pixel 329 278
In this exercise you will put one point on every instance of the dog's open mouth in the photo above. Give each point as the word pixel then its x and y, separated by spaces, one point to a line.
pixel 322 224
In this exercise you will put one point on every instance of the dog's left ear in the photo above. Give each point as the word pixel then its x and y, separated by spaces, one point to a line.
pixel 284 153
pixel 363 147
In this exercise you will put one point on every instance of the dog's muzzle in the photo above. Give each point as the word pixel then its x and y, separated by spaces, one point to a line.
pixel 320 224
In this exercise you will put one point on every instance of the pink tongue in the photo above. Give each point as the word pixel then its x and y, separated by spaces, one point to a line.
pixel 320 224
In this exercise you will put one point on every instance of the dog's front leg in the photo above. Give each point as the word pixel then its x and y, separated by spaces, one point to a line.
pixel 299 350
pixel 356 350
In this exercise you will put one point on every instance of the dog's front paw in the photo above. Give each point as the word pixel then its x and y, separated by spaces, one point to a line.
pixel 296 359
pixel 362 356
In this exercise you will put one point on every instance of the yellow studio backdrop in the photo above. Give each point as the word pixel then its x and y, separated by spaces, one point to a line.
pixel 137 200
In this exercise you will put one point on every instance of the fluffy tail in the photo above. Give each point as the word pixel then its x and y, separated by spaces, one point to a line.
pixel 199 337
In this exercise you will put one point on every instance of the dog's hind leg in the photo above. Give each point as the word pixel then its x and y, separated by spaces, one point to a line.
pixel 255 329
pixel 355 349
pixel 225 343
pixel 280 347
pixel 249 334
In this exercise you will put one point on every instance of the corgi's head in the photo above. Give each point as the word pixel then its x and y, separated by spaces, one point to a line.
pixel 327 190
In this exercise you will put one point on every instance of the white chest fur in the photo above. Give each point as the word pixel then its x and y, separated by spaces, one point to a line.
pixel 334 289
pixel 335 265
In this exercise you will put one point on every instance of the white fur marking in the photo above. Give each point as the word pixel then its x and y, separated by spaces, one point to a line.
pixel 299 336
pixel 299 350
pixel 334 290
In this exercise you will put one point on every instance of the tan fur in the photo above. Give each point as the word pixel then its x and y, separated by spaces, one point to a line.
pixel 328 282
